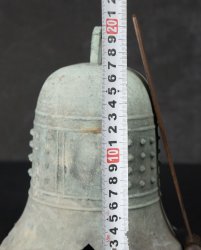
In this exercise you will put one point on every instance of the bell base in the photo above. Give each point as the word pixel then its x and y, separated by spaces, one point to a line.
pixel 48 228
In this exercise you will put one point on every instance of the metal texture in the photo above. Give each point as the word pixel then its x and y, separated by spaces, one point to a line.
pixel 64 205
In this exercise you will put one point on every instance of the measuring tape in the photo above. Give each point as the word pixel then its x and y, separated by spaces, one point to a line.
pixel 114 125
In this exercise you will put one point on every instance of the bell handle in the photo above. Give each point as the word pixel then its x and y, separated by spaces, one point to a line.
pixel 96 46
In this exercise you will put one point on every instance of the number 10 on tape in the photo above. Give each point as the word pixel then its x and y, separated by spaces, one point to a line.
pixel 112 155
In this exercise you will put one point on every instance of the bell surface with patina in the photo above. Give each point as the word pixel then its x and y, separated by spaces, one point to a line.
pixel 63 211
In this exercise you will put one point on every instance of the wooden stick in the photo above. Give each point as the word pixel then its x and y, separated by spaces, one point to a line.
pixel 161 126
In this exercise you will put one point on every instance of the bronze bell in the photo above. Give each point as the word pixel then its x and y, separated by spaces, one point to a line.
pixel 63 211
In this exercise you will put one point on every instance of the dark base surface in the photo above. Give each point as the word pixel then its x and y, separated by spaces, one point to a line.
pixel 14 185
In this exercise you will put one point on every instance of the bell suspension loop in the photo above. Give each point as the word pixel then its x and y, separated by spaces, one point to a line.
pixel 96 46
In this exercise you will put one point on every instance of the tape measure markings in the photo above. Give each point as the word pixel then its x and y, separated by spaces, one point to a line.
pixel 114 125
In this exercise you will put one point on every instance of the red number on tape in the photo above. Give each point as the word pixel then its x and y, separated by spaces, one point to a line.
pixel 111 26
pixel 112 155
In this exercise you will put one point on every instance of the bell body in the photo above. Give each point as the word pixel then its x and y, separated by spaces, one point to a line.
pixel 63 211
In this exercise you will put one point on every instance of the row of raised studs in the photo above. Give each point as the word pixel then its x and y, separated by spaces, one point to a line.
pixel 142 141
pixel 130 158
pixel 143 156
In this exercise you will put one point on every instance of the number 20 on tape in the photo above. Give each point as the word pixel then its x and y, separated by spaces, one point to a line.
pixel 112 155
pixel 111 26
